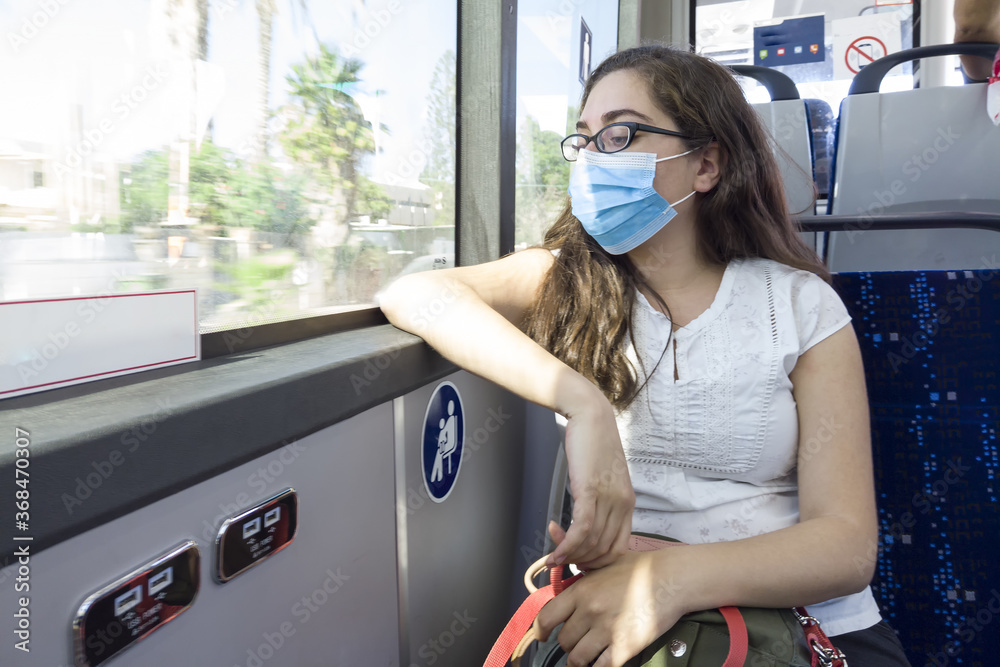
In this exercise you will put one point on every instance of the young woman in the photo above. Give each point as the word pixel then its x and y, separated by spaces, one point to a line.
pixel 712 385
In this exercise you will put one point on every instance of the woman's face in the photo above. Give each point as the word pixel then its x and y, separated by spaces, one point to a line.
pixel 620 97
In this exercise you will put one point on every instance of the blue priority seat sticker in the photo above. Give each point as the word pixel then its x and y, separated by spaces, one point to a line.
pixel 443 440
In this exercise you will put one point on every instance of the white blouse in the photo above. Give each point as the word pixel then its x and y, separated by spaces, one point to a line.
pixel 712 455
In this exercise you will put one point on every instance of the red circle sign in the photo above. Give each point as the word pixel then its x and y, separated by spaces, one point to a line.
pixel 866 50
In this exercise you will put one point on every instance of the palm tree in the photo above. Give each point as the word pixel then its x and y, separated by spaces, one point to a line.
pixel 187 36
pixel 266 9
pixel 327 131
pixel 265 17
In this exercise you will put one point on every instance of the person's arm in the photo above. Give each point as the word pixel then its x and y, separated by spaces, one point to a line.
pixel 468 315
pixel 471 315
pixel 977 21
pixel 831 552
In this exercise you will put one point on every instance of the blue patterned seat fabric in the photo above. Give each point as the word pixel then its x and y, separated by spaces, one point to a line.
pixel 931 347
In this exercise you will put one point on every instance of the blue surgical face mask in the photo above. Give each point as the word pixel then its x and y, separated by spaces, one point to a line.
pixel 612 195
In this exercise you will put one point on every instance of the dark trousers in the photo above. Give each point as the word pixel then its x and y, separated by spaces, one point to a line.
pixel 877 646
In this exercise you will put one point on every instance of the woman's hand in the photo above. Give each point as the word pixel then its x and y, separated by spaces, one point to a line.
pixel 602 491
pixel 617 611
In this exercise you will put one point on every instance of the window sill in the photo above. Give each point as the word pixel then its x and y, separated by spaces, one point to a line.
pixel 106 448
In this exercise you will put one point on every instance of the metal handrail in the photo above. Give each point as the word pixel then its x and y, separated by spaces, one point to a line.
pixel 869 79
pixel 897 221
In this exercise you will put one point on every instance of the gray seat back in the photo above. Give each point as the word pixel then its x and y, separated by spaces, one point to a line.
pixel 786 119
pixel 917 150
pixel 931 149
pixel 788 124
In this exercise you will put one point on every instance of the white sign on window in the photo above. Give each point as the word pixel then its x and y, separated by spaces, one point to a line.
pixel 49 343
pixel 861 40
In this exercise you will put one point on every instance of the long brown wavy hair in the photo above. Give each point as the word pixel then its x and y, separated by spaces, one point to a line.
pixel 583 309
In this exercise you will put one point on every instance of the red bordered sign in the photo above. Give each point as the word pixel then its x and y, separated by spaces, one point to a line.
pixel 864 51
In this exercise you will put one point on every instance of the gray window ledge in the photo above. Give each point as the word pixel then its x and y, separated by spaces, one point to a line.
pixel 143 437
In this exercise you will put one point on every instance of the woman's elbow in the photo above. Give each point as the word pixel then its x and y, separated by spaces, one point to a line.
pixel 394 297
pixel 864 571
pixel 863 559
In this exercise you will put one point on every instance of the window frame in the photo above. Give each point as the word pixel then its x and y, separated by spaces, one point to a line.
pixel 478 76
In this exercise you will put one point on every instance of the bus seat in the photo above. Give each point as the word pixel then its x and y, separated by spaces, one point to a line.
pixel 560 508
pixel 931 348
pixel 786 120
pixel 929 149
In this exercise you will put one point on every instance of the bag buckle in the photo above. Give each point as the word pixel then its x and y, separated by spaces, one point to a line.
pixel 803 619
pixel 828 657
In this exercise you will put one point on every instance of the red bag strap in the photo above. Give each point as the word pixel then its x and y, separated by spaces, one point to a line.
pixel 525 615
pixel 523 618
pixel 738 642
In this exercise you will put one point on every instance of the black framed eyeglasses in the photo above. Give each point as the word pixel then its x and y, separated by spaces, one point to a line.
pixel 611 139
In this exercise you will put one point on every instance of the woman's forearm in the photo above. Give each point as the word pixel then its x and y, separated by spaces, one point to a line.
pixel 813 561
pixel 464 329
pixel 477 333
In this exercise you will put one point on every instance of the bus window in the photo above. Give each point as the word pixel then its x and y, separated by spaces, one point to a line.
pixel 820 47
pixel 558 44
pixel 284 158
